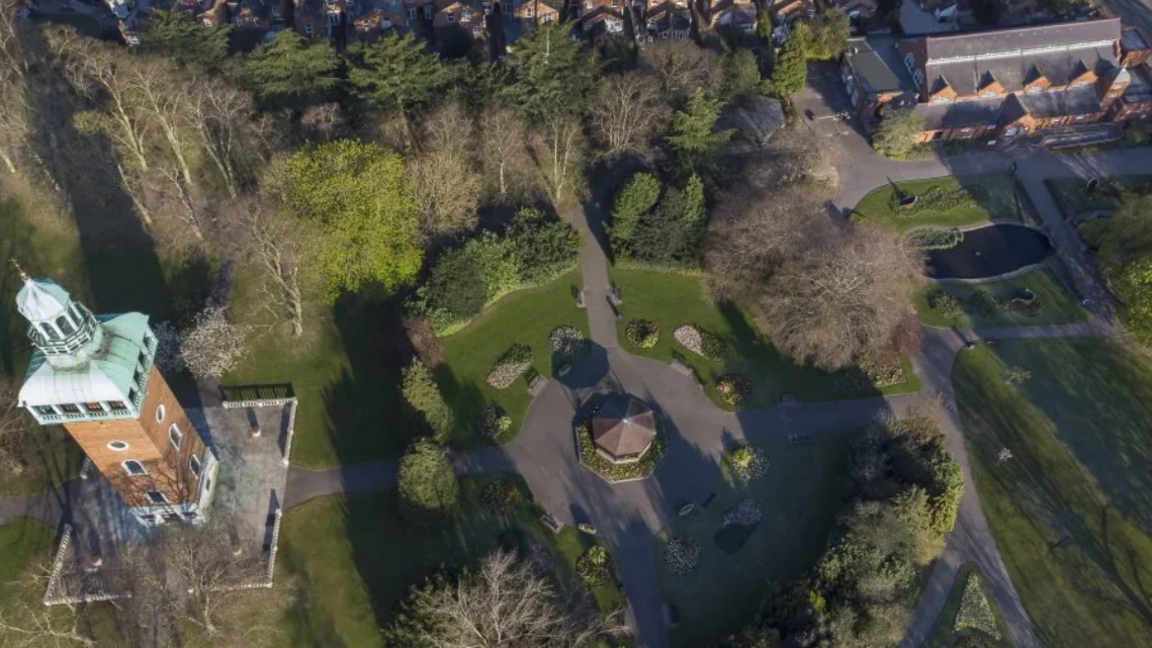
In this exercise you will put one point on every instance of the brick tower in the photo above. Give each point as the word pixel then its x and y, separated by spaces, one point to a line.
pixel 95 374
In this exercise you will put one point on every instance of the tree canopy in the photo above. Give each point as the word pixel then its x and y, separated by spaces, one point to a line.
pixel 896 135
pixel 359 197
pixel 553 77
pixel 634 199
pixel 696 145
pixel 427 483
pixel 189 42
pixel 291 71
pixel 791 69
pixel 395 73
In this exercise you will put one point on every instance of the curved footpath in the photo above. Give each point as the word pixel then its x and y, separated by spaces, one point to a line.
pixel 629 515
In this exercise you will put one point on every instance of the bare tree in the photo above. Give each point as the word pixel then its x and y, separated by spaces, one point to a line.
pixel 323 123
pixel 25 622
pixel 504 140
pixel 213 346
pixel 629 110
pixel 834 304
pixel 682 66
pixel 504 604
pixel 284 257
pixel 160 93
pixel 14 425
pixel 559 153
pixel 221 116
pixel 14 128
pixel 447 185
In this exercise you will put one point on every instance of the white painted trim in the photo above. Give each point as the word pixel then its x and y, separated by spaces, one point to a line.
pixel 1020 52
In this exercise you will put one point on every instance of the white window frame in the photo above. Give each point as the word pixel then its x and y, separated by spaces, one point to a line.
pixel 175 436
pixel 918 78
pixel 909 61
pixel 450 17
pixel 152 501
pixel 113 443
pixel 506 7
pixel 143 470
pixel 529 12
pixel 412 13
pixel 465 15
pixel 196 465
pixel 546 18
pixel 428 12
pixel 308 28
pixel 160 413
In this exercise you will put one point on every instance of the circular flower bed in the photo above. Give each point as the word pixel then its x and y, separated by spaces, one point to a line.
pixel 748 462
pixel 734 389
pixel 681 556
pixel 594 566
pixel 500 496
pixel 493 421
pixel 567 341
pixel 701 342
pixel 642 333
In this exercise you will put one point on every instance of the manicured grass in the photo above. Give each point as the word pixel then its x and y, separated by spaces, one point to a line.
pixel 799 495
pixel 672 300
pixel 1074 197
pixel 570 543
pixel 1072 509
pixel 357 557
pixel 525 317
pixel 945 635
pixel 992 199
pixel 1057 306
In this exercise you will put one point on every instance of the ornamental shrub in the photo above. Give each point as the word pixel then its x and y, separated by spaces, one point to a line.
pixel 515 361
pixel 635 199
pixel 975 610
pixel 946 305
pixel 594 566
pixel 544 246
pixel 748 462
pixel 422 393
pixel 935 238
pixel 500 496
pixel 734 389
pixel 983 303
pixel 568 341
pixel 427 482
pixel 712 346
pixel 642 333
pixel 493 421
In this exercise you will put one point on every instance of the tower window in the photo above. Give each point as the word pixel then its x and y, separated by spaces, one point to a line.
pixel 69 408
pixel 117 405
pixel 134 468
pixel 49 331
pixel 174 435
pixel 156 497
pixel 195 465
pixel 160 413
pixel 118 446
pixel 94 408
pixel 45 410
pixel 65 325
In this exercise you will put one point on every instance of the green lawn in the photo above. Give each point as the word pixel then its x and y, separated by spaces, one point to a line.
pixel 1074 197
pixel 799 496
pixel 525 317
pixel 1056 305
pixel 983 198
pixel 356 558
pixel 945 635
pixel 672 300
pixel 1072 509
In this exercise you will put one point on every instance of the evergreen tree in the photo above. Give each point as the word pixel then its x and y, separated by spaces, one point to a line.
pixel 826 35
pixel 634 200
pixel 359 198
pixel 696 147
pixel 895 137
pixel 791 66
pixel 553 78
pixel 671 234
pixel 290 72
pixel 423 394
pixel 741 74
pixel 764 27
pixel 185 40
pixel 427 483
pixel 394 73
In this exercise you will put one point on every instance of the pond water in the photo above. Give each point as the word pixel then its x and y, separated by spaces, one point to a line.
pixel 988 252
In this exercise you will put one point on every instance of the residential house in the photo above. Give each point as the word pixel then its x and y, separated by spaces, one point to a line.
pixel 215 15
pixel 1134 87
pixel 381 19
pixel 736 15
pixel 785 11
pixel 668 20
pixel 254 14
pixel 322 18
pixel 1001 82
pixel 463 14
pixel 601 16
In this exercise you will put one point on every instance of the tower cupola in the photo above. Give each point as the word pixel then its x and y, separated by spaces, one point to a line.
pixel 65 331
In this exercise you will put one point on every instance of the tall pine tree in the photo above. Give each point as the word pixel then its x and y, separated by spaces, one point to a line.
pixel 791 67
pixel 553 77
pixel 394 73
pixel 290 72
pixel 695 146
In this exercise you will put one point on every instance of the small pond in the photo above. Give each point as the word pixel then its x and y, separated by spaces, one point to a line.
pixel 988 252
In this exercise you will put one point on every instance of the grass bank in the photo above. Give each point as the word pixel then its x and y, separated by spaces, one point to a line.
pixel 952 201
pixel 1054 305
pixel 1072 509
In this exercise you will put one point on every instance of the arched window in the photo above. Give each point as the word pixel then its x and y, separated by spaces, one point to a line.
pixel 174 435
pixel 49 331
pixel 65 325
pixel 134 468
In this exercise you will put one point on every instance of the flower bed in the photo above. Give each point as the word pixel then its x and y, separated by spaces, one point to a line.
pixel 594 566
pixel 681 556
pixel 935 238
pixel 737 525
pixel 515 361
pixel 618 472
pixel 748 462
pixel 734 389
pixel 642 333
pixel 975 611
pixel 568 341
pixel 869 375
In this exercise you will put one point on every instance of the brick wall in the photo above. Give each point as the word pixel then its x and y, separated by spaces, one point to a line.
pixel 148 442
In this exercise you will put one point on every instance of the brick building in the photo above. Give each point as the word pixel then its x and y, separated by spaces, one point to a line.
pixel 1002 82
pixel 95 375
